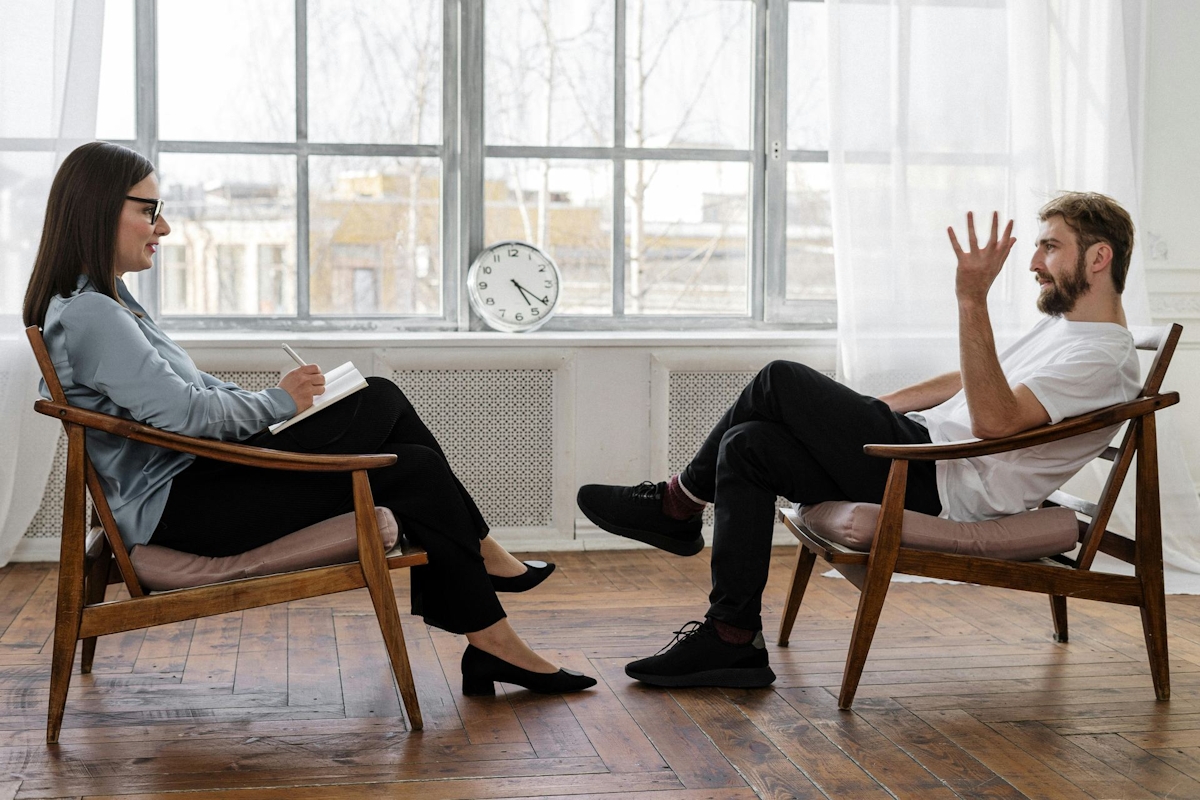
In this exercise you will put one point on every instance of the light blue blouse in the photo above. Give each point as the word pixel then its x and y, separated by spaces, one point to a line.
pixel 110 360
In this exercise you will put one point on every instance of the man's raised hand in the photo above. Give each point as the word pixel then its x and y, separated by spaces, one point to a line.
pixel 979 266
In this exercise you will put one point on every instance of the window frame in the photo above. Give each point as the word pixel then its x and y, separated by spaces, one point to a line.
pixel 463 153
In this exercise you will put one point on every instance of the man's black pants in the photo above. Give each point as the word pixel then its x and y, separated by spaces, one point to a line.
pixel 798 433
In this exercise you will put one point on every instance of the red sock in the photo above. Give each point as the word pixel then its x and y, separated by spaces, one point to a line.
pixel 731 634
pixel 676 503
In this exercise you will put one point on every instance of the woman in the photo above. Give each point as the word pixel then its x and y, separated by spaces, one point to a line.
pixel 104 220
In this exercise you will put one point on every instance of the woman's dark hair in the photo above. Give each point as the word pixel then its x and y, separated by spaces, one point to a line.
pixel 79 236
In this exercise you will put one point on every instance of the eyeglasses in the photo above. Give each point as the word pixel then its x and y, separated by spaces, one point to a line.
pixel 158 206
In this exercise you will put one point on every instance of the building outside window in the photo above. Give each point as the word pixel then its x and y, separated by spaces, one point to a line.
pixel 174 261
pixel 231 270
pixel 273 283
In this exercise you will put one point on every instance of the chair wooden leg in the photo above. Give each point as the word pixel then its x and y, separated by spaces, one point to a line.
pixel 1058 610
pixel 880 566
pixel 805 559
pixel 870 604
pixel 96 583
pixel 69 610
pixel 1148 558
pixel 379 584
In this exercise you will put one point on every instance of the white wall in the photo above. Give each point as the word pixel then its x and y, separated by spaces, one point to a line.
pixel 1170 229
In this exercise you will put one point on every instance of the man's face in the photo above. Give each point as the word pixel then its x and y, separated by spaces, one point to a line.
pixel 1059 267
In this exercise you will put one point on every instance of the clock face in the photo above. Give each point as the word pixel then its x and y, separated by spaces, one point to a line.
pixel 514 286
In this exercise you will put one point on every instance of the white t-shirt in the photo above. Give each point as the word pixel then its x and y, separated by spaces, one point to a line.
pixel 1072 368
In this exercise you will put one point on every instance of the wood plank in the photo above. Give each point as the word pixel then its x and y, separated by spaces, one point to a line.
pixel 1185 760
pixel 616 737
pixel 165 648
pixel 262 651
pixel 1143 767
pixel 1010 762
pixel 313 677
pixel 32 626
pixel 235 776
pixel 549 725
pixel 872 751
pixel 18 585
pixel 1095 776
pixel 212 657
pixel 764 767
pixel 682 744
pixel 822 762
pixel 544 786
pixel 368 686
pixel 957 768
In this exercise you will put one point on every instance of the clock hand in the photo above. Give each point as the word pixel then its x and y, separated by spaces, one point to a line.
pixel 545 300
pixel 524 293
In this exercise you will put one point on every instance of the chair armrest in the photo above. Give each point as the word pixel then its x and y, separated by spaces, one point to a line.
pixel 243 454
pixel 1084 423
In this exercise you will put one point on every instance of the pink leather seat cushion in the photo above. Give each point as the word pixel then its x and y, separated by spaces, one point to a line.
pixel 333 541
pixel 1021 537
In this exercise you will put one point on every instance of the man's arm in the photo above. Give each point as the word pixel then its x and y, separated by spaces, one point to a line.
pixel 996 408
pixel 925 394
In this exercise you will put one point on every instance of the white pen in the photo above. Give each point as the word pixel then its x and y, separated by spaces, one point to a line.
pixel 295 357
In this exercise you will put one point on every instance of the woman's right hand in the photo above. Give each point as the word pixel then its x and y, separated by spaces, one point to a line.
pixel 303 383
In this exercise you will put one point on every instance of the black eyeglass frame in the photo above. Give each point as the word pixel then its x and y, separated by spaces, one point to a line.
pixel 158 206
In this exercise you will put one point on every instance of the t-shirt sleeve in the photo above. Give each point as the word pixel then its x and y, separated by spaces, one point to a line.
pixel 1085 379
pixel 110 354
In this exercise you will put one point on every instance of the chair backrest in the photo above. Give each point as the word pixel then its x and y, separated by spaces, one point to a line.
pixel 108 525
pixel 1162 341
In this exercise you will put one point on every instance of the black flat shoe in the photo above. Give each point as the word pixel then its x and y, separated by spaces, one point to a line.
pixel 480 671
pixel 535 572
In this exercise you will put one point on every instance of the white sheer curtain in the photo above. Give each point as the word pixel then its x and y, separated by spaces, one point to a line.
pixel 940 108
pixel 49 77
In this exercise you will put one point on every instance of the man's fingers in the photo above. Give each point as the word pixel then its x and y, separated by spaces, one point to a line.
pixel 995 229
pixel 971 238
pixel 954 241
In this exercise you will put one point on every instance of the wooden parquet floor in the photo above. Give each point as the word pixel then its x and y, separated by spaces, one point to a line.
pixel 965 695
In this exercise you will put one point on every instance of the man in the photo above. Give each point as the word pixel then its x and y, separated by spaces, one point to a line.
pixel 797 433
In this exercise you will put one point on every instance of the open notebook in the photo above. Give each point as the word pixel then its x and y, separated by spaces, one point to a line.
pixel 340 382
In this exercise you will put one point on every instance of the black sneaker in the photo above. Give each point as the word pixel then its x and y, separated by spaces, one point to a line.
pixel 635 512
pixel 698 657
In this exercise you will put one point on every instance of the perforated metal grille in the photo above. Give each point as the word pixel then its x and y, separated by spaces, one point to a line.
pixel 696 401
pixel 251 381
pixel 47 522
pixel 497 430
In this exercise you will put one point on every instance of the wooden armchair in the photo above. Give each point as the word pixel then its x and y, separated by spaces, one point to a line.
pixel 1059 576
pixel 94 556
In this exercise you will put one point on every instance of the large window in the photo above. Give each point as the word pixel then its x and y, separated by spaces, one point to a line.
pixel 337 165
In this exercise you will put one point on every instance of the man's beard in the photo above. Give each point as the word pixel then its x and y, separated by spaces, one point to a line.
pixel 1064 293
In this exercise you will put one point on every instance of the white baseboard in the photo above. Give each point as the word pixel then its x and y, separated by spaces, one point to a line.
pixel 42 548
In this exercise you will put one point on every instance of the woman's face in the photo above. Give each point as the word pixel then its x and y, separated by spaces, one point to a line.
pixel 137 236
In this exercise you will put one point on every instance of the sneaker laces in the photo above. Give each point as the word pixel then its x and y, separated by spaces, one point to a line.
pixel 688 630
pixel 646 490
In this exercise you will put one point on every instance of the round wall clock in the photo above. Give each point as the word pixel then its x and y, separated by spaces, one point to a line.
pixel 514 286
